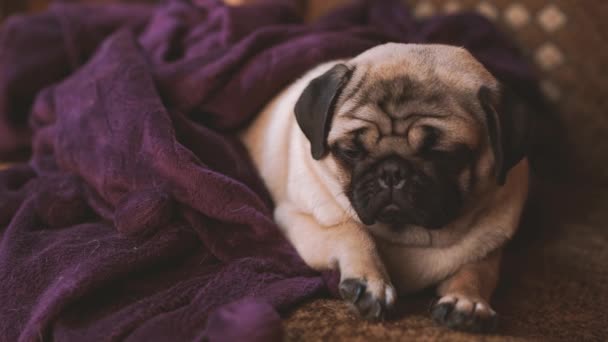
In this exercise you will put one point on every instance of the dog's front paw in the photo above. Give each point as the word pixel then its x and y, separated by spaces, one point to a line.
pixel 463 313
pixel 371 298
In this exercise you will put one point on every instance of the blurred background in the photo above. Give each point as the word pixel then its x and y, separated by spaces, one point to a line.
pixel 566 40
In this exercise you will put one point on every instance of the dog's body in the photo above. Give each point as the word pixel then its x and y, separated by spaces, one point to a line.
pixel 318 198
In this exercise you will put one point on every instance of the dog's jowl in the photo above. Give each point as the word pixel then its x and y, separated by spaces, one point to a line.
pixel 404 168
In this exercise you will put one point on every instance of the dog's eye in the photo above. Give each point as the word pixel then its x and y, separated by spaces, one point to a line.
pixel 431 137
pixel 349 153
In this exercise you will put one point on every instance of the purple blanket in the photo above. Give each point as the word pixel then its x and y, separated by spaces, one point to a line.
pixel 139 215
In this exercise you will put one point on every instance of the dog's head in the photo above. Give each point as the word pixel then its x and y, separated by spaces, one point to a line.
pixel 412 132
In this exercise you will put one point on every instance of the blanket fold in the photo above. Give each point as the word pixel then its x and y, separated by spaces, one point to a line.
pixel 139 215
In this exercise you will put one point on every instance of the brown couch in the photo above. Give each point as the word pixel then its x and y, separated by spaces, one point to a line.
pixel 555 274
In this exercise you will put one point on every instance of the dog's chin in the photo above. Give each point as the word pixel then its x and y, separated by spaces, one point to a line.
pixel 397 219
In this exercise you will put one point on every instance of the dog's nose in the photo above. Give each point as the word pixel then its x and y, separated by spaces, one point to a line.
pixel 391 174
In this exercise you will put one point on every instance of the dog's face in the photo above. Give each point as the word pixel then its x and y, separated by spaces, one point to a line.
pixel 412 132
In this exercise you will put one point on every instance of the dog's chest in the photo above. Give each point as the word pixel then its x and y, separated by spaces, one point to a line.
pixel 415 268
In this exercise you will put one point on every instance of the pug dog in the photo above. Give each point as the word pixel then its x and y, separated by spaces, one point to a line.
pixel 404 168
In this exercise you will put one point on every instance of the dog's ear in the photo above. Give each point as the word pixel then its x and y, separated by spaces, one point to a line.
pixel 315 107
pixel 508 122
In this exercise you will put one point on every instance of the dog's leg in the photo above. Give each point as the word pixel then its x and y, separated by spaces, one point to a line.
pixel 465 296
pixel 364 281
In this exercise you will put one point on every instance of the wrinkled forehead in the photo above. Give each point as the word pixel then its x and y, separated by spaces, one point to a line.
pixel 406 81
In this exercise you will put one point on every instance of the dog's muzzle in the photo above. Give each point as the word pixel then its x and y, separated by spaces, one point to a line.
pixel 393 192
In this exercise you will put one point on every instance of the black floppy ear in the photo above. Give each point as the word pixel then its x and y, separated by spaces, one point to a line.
pixel 508 120
pixel 315 107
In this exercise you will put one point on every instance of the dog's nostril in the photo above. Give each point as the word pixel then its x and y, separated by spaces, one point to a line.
pixel 391 175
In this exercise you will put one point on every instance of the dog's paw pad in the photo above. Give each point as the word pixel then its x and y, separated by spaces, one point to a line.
pixel 372 302
pixel 462 313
